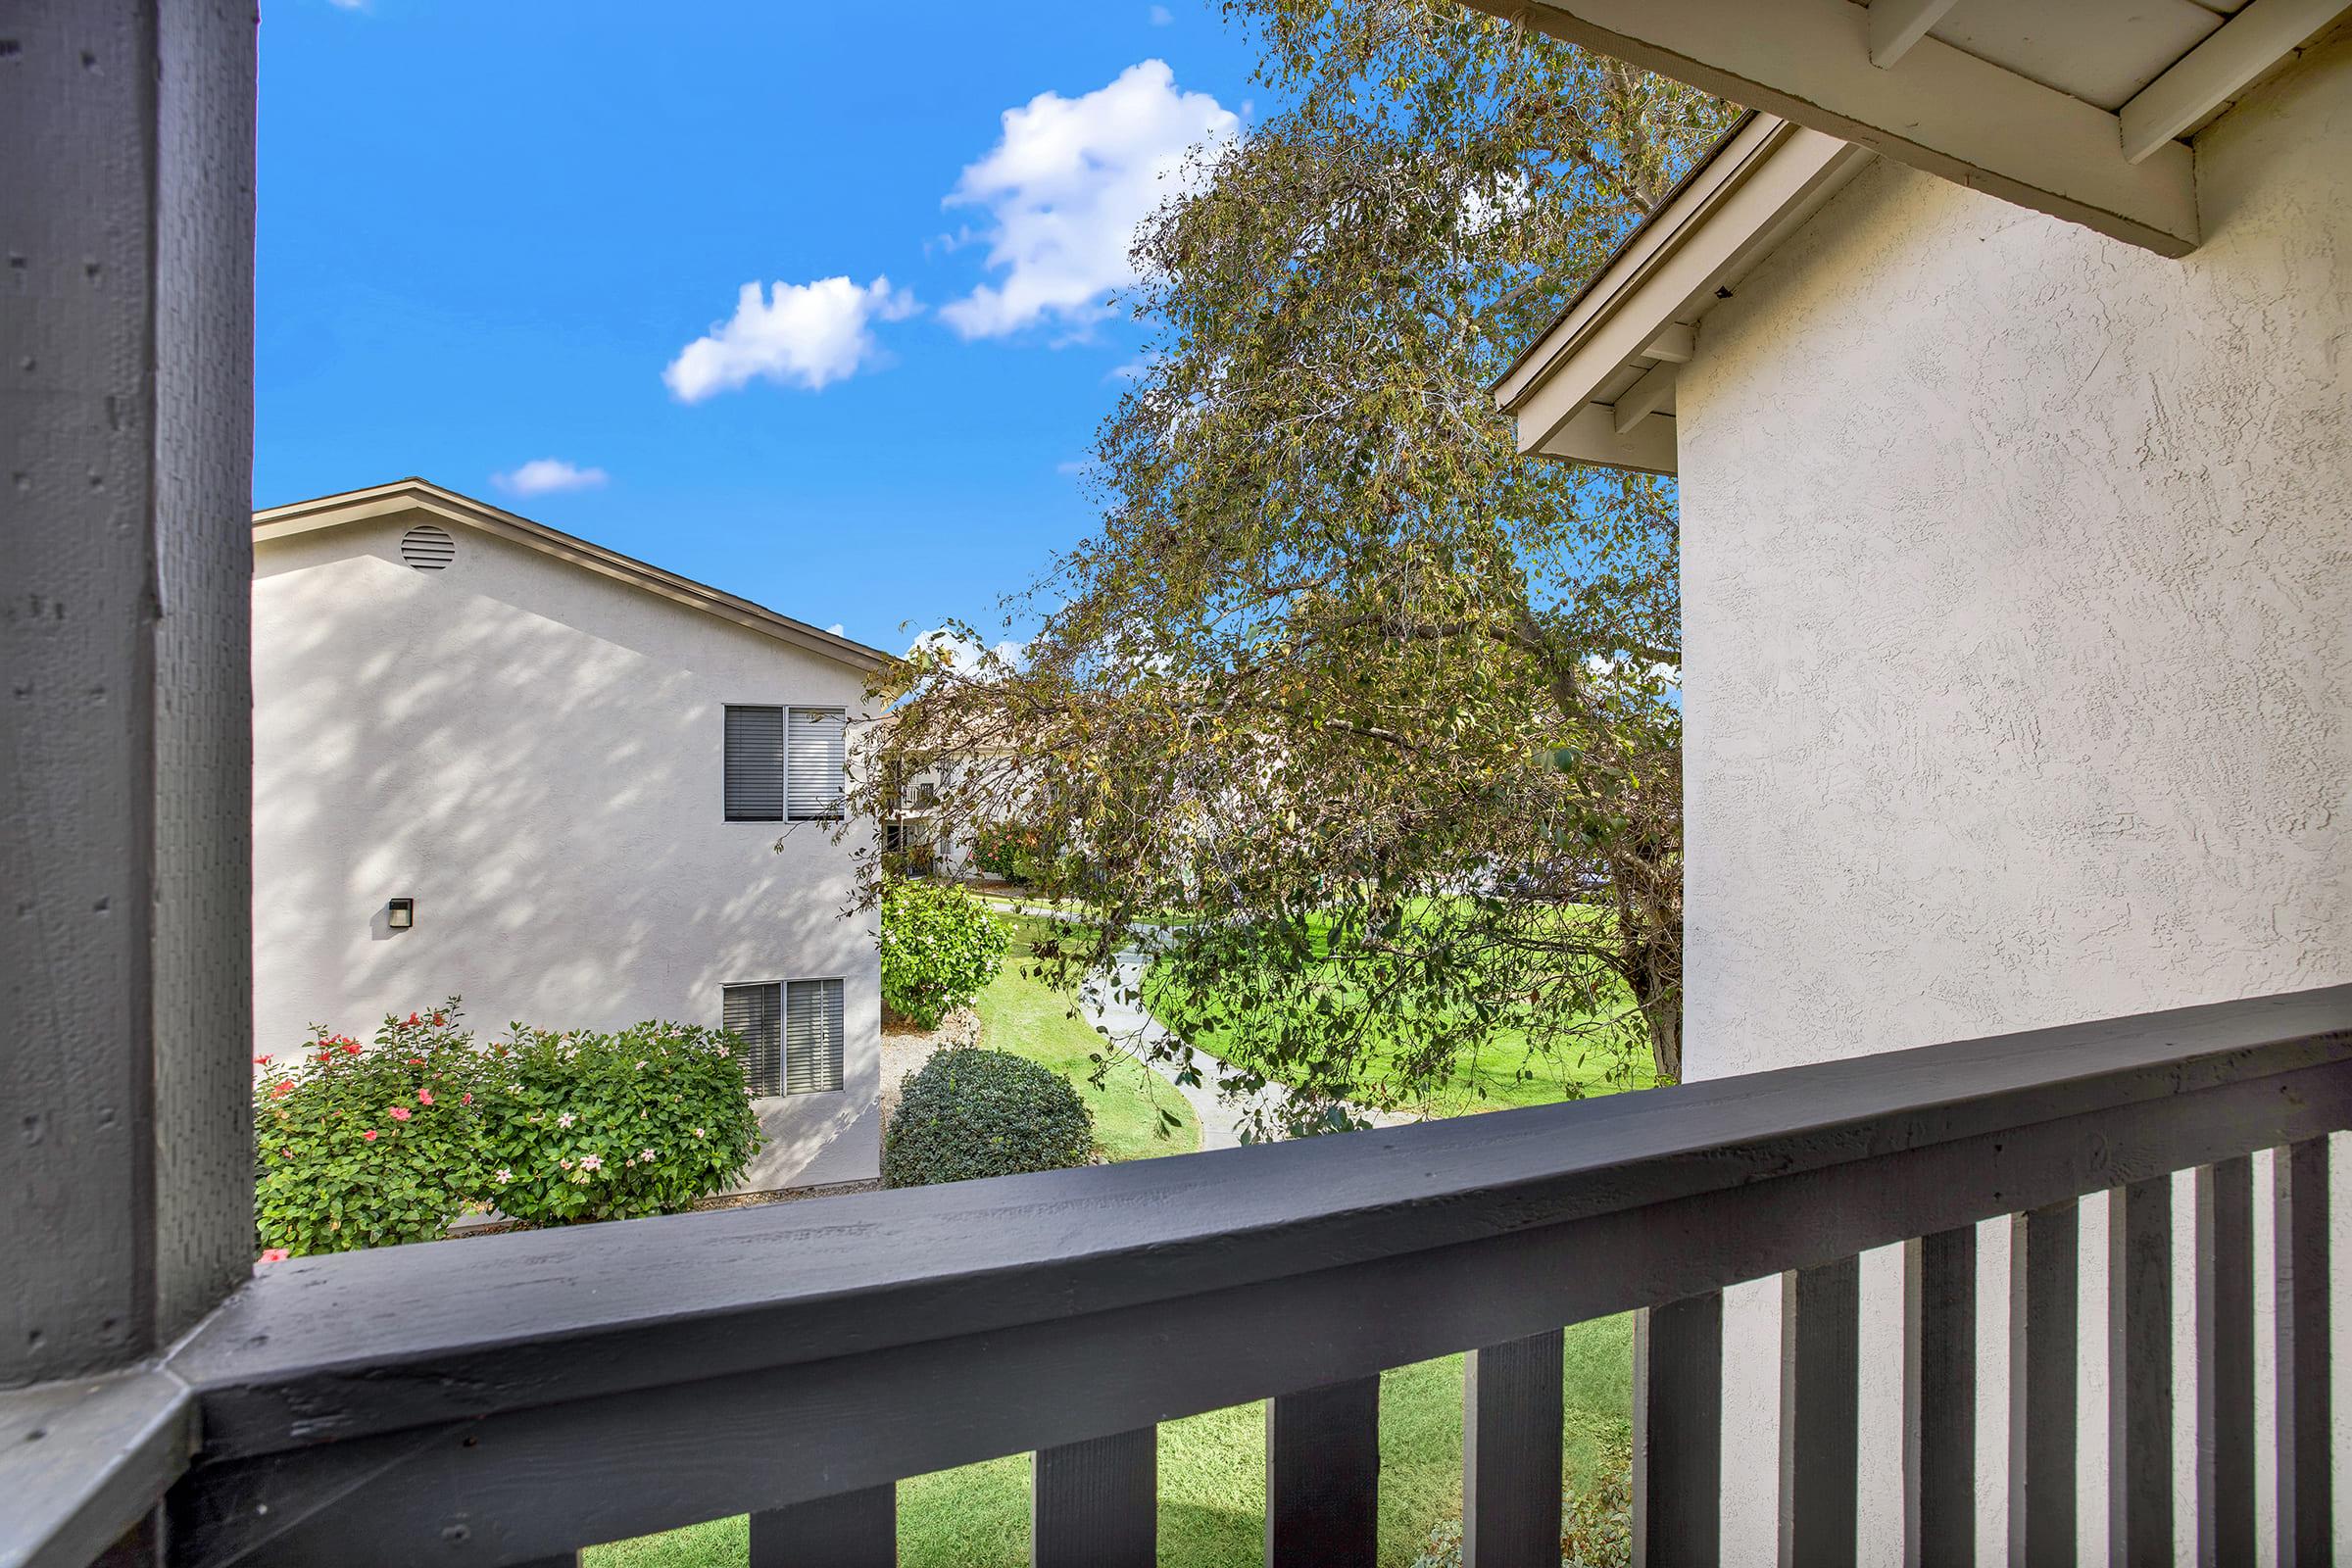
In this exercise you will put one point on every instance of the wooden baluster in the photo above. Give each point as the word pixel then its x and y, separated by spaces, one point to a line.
pixel 2044 1317
pixel 2139 1374
pixel 1678 1434
pixel 2306 1511
pixel 1821 1330
pixel 1323 1475
pixel 847 1530
pixel 1095 1505
pixel 2226 1364
pixel 1939 1400
pixel 1511 1455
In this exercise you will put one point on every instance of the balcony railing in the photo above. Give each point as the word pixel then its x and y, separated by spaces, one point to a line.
pixel 512 1399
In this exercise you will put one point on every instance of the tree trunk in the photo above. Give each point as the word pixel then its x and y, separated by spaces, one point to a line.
pixel 1664 1017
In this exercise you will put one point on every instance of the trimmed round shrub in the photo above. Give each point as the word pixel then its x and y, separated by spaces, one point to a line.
pixel 583 1126
pixel 974 1113
pixel 368 1146
pixel 939 949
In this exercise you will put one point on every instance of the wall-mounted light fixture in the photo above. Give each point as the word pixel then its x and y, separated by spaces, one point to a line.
pixel 400 914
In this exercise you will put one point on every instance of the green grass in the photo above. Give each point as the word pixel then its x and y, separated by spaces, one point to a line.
pixel 1495 1073
pixel 1213 1475
pixel 1031 1019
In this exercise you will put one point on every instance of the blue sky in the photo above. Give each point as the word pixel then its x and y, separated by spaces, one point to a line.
pixel 499 236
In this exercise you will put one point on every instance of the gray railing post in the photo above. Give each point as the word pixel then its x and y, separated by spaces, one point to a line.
pixel 1821 1332
pixel 2306 1481
pixel 2225 1361
pixel 2044 1313
pixel 849 1529
pixel 1095 1505
pixel 2139 1373
pixel 1939 1400
pixel 1678 1434
pixel 1511 1418
pixel 1323 1475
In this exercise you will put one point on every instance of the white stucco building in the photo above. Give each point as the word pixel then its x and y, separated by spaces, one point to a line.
pixel 604 793
pixel 2017 571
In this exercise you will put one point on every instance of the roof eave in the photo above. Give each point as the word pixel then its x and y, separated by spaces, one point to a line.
pixel 414 494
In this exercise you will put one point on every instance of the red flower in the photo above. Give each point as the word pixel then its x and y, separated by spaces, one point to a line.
pixel 440 1020
pixel 466 1099
pixel 260 1062
pixel 370 1135
pixel 424 1097
pixel 281 1090
pixel 415 1062
pixel 412 1018
pixel 274 1254
pixel 351 1047
pixel 399 1113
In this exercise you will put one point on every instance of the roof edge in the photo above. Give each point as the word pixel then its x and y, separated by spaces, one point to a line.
pixel 413 493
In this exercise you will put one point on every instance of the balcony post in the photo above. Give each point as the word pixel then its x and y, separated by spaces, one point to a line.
pixel 125 497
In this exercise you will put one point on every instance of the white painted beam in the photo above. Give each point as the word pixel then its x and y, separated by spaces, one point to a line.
pixel 1677 343
pixel 1945 112
pixel 2203 80
pixel 1643 399
pixel 1896 24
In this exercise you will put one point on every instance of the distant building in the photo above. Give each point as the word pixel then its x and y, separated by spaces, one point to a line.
pixel 496 761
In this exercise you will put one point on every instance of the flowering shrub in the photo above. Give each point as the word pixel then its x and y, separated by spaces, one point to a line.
pixel 938 949
pixel 1007 851
pixel 581 1126
pixel 972 1113
pixel 360 1146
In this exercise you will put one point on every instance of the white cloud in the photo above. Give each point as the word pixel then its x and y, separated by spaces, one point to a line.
pixel 542 476
pixel 1160 17
pixel 804 335
pixel 1066 186
pixel 963 651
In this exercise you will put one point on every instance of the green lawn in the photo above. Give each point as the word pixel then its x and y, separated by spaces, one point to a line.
pixel 1495 1073
pixel 1213 1477
pixel 1030 1019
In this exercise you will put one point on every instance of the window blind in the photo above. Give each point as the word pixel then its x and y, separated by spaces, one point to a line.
pixel 817 758
pixel 754 783
pixel 755 1013
pixel 813 1036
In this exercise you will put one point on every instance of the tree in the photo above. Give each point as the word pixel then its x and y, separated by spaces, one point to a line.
pixel 1386 709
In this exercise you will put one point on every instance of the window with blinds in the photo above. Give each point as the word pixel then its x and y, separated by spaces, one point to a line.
pixel 754 783
pixel 815 756
pixel 792 1036
pixel 813 1036
pixel 756 1015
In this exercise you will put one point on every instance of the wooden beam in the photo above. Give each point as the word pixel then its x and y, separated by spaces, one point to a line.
pixel 1675 342
pixel 1947 112
pixel 2203 80
pixel 1896 24
pixel 1643 399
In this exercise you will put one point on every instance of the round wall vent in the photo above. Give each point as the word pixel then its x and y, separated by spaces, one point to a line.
pixel 427 548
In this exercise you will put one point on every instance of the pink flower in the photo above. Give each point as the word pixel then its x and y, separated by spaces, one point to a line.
pixel 370 1135
pixel 591 1162
pixel 400 1113
pixel 466 1099
pixel 274 1254
pixel 424 1097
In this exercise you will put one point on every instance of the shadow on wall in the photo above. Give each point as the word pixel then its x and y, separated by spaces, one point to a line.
pixel 546 783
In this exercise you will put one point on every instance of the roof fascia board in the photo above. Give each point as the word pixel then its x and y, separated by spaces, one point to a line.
pixel 382 500
pixel 1942 110
pixel 1771 178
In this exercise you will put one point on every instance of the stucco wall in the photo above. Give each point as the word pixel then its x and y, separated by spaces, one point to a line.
pixel 2018 596
pixel 534 753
